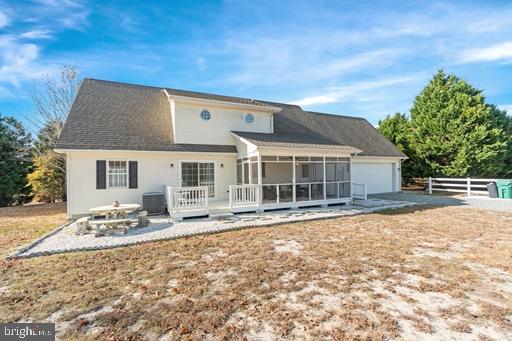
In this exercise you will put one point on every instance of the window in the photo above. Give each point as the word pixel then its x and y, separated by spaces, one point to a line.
pixel 205 115
pixel 199 174
pixel 117 174
pixel 249 118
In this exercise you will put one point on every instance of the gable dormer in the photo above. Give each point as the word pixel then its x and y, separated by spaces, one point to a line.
pixel 210 121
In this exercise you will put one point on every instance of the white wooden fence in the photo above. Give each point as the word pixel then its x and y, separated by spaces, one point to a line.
pixel 359 191
pixel 462 185
pixel 182 201
pixel 243 195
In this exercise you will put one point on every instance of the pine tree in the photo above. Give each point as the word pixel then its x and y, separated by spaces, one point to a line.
pixel 454 132
pixel 15 162
pixel 396 128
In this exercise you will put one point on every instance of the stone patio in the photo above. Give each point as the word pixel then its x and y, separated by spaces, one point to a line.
pixel 64 239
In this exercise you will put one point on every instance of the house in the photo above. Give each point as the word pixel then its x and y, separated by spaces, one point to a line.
pixel 216 153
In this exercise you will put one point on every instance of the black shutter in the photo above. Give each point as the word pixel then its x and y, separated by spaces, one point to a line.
pixel 132 171
pixel 101 174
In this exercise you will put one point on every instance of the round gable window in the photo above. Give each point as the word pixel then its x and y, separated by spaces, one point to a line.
pixel 205 115
pixel 249 118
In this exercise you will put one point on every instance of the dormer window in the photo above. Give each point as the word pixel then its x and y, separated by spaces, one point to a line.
pixel 205 115
pixel 249 118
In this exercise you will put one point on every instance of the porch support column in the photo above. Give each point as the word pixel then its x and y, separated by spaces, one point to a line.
pixel 350 178
pixel 325 185
pixel 293 179
pixel 260 181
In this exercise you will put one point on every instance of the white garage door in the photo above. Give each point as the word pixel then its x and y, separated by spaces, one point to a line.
pixel 378 177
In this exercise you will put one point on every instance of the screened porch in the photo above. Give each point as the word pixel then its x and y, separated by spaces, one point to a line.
pixel 291 181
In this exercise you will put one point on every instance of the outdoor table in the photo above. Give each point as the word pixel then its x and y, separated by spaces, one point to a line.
pixel 114 215
pixel 111 211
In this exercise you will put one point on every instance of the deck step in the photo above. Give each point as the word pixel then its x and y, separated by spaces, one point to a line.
pixel 220 213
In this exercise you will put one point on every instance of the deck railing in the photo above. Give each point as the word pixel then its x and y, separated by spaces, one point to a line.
pixel 287 193
pixel 359 191
pixel 243 195
pixel 182 199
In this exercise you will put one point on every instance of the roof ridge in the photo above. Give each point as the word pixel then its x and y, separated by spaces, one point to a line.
pixel 124 83
pixel 336 115
pixel 250 100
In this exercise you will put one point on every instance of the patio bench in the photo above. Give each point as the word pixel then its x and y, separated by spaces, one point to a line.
pixel 110 224
pixel 82 225
pixel 142 219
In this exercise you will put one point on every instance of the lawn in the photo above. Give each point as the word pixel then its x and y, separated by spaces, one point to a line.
pixel 421 272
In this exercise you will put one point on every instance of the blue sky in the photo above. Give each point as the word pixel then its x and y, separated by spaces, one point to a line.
pixel 357 58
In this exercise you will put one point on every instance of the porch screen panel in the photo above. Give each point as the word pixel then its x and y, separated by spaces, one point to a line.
pixel 254 172
pixel 310 178
pixel 278 172
pixel 337 174
pixel 239 172
pixel 246 173
pixel 343 171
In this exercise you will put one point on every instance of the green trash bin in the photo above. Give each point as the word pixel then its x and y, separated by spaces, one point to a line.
pixel 504 189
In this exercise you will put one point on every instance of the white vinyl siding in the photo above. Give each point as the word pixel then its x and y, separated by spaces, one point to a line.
pixel 155 171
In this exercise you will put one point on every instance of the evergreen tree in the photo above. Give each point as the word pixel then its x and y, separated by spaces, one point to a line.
pixel 15 162
pixel 396 128
pixel 454 132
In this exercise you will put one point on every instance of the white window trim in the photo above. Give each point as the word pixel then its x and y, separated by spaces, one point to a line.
pixel 127 174
pixel 180 180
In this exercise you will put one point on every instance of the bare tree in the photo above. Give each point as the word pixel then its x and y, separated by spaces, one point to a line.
pixel 52 99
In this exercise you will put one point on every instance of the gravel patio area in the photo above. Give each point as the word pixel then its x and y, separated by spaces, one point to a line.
pixel 64 239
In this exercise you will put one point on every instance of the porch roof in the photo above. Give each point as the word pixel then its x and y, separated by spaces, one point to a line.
pixel 292 140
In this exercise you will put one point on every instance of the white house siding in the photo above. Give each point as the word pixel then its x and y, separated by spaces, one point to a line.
pixel 380 174
pixel 191 128
pixel 154 172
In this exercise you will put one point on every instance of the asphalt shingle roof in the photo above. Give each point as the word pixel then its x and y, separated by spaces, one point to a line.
pixel 291 140
pixel 118 116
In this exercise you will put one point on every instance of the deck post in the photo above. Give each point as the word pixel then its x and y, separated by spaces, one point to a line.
pixel 469 186
pixel 350 181
pixel 429 185
pixel 259 192
pixel 293 179
pixel 325 182
pixel 230 197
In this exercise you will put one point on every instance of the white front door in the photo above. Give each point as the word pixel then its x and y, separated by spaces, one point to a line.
pixel 195 174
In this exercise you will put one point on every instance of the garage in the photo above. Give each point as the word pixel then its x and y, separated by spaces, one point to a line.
pixel 378 177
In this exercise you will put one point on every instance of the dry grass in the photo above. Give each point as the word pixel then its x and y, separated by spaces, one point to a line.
pixel 417 272
pixel 21 224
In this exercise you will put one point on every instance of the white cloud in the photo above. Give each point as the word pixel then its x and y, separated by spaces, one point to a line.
pixel 19 62
pixel 37 34
pixel 4 19
pixel 359 91
pixel 498 52
pixel 507 107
